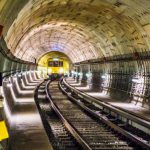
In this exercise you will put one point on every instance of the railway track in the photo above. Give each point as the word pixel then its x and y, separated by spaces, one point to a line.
pixel 59 136
pixel 72 124
pixel 134 128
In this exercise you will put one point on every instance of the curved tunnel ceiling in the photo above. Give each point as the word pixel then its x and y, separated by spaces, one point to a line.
pixel 83 30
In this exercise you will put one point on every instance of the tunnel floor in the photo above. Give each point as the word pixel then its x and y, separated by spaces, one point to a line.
pixel 139 111
pixel 27 131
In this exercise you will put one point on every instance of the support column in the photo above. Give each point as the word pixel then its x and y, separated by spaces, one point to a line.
pixel 85 71
pixel 96 81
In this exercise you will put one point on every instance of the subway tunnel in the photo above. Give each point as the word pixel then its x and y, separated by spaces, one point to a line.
pixel 71 68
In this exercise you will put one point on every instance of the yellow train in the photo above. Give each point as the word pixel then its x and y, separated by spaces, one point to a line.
pixel 53 63
pixel 58 66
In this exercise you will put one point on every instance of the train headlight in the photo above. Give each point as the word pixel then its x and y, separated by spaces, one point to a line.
pixel 61 70
pixel 49 70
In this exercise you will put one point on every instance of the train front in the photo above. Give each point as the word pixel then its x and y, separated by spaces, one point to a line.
pixel 54 64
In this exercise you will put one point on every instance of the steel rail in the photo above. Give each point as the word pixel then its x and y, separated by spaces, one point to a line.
pixel 67 124
pixel 103 118
pixel 96 101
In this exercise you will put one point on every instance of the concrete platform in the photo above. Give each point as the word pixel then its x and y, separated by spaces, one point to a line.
pixel 26 130
pixel 25 126
pixel 134 109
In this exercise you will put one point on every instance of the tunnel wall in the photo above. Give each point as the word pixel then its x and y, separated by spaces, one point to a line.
pixel 124 80
pixel 9 64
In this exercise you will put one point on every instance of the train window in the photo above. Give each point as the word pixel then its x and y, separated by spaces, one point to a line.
pixel 61 63
pixel 50 63
pixel 55 63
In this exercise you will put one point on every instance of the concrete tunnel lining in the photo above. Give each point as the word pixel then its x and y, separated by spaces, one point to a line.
pixel 82 30
pixel 108 42
pixel 106 30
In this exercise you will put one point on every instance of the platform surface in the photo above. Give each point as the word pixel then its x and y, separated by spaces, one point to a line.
pixel 142 112
pixel 27 131
pixel 26 128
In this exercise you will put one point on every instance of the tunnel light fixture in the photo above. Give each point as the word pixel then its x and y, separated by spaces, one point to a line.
pixel 74 72
pixel 14 76
pixel 104 76
pixel 9 84
pixel 88 74
pixel 79 73
pixel 138 80
pixel 55 59
pixel 19 75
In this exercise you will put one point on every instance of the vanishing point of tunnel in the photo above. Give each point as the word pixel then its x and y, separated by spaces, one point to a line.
pixel 74 74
